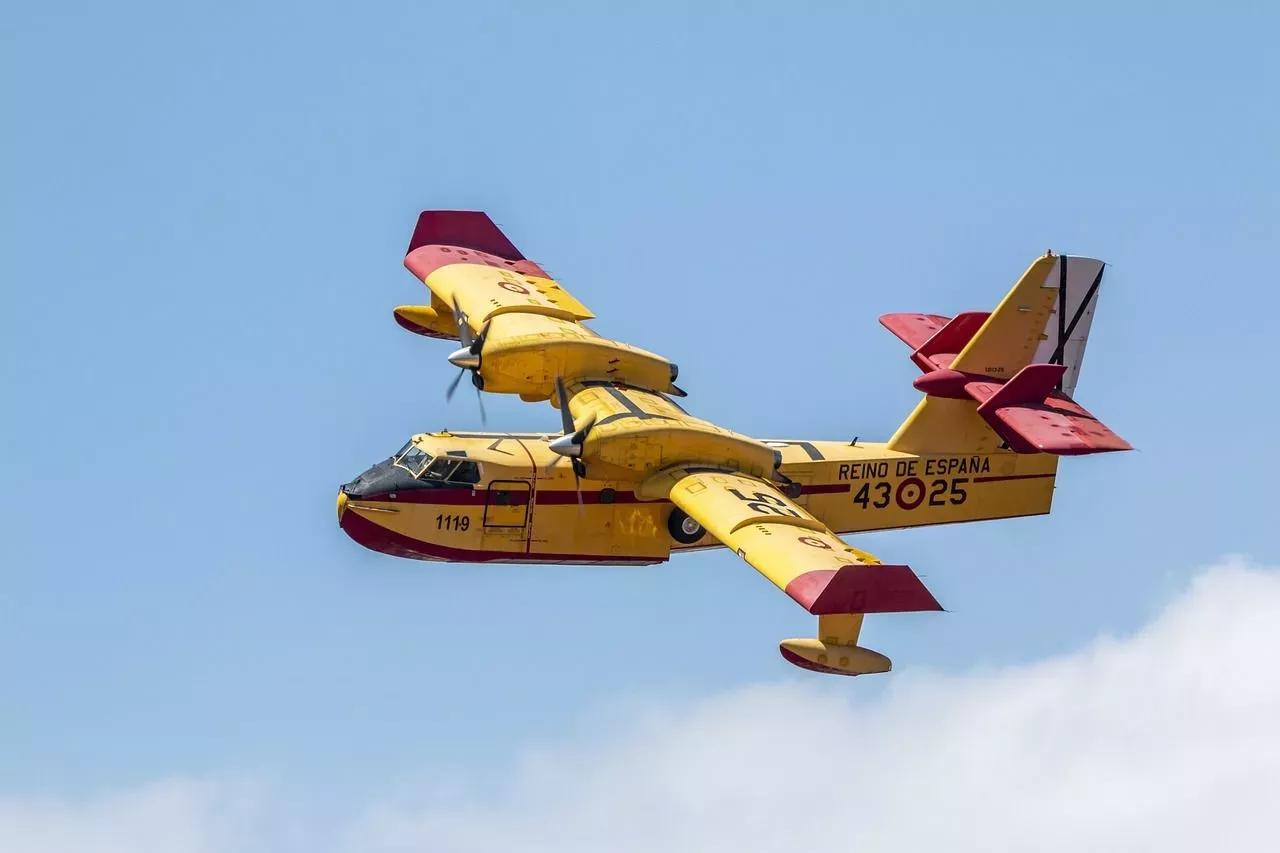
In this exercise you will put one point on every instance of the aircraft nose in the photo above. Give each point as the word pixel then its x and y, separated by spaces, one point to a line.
pixel 380 479
pixel 380 482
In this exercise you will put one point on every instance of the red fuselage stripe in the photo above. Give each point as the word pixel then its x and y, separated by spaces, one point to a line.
pixel 1011 477
pixel 550 497
pixel 379 538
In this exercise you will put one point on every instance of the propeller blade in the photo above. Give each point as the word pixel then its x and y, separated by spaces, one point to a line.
pixel 566 419
pixel 478 343
pixel 579 471
pixel 464 330
pixel 480 401
pixel 453 386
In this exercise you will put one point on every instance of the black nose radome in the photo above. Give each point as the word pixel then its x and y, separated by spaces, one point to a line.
pixel 381 479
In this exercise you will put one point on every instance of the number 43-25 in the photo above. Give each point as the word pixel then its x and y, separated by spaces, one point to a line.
pixel 940 493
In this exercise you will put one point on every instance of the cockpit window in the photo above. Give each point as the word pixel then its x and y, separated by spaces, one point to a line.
pixel 439 469
pixel 467 472
pixel 450 469
pixel 413 460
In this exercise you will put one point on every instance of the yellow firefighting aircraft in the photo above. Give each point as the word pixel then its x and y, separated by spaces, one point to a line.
pixel 645 478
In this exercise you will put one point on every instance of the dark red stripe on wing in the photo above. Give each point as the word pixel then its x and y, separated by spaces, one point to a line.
pixel 424 261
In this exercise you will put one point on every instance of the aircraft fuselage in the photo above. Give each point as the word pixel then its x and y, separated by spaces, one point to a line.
pixel 523 507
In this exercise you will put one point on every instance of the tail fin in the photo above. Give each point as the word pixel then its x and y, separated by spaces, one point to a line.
pixel 1045 319
pixel 1036 336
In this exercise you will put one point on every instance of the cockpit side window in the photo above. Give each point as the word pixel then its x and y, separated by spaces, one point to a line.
pixel 440 468
pixel 468 472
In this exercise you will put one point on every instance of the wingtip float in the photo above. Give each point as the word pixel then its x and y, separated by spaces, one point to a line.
pixel 646 479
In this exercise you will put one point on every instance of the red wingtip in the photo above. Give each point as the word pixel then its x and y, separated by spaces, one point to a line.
pixel 468 229
pixel 862 588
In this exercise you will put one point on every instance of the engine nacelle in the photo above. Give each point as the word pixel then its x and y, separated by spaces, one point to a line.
pixel 429 321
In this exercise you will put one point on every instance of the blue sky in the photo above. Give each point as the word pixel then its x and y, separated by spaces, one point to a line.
pixel 205 211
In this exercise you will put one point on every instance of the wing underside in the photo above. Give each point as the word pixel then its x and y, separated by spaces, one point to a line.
pixel 524 329
pixel 794 550
pixel 807 561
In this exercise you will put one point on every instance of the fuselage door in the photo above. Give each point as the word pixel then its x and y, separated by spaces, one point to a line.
pixel 506 505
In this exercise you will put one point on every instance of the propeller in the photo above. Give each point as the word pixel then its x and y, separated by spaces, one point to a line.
pixel 467 357
pixel 570 444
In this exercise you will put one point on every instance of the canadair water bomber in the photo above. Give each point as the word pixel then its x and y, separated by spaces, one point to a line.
pixel 632 477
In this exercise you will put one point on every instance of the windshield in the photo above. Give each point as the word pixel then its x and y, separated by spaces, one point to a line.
pixel 413 460
pixel 423 466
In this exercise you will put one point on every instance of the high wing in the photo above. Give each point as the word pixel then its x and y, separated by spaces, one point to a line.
pixel 464 258
pixel 794 550
pixel 808 562
pixel 628 432
pixel 519 328
pixel 522 333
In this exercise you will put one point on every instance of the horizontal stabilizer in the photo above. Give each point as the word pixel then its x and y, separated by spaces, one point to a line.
pixel 468 229
pixel 935 340
pixel 1032 416
pixel 1032 384
pixel 1059 425
pixel 914 329
pixel 862 588
pixel 940 350
pixel 1028 412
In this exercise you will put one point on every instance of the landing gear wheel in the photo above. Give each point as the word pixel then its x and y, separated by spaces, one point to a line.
pixel 684 529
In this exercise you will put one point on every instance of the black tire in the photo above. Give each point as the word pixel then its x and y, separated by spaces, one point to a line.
pixel 684 529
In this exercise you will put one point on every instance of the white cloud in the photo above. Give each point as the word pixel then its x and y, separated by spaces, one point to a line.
pixel 170 816
pixel 1166 740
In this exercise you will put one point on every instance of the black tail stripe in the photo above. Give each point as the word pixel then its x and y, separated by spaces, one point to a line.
pixel 1075 321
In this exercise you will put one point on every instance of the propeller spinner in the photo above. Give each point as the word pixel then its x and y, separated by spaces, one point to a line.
pixel 570 444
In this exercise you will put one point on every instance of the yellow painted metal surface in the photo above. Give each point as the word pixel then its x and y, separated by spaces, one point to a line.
pixel 775 536
pixel 636 433
pixel 439 321
pixel 1008 339
pixel 837 659
pixel 534 333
